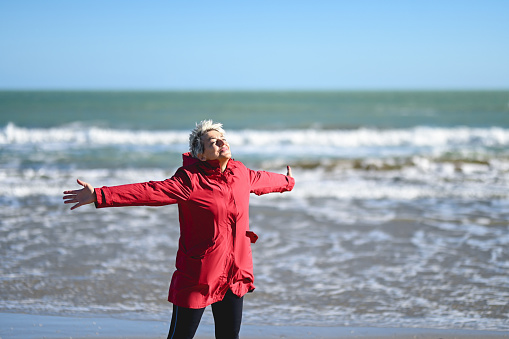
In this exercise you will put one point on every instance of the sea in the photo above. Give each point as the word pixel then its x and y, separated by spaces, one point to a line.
pixel 399 216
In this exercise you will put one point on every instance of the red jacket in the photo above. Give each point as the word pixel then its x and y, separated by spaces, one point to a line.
pixel 214 252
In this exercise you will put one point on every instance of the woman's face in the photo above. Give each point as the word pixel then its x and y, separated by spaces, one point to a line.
pixel 215 147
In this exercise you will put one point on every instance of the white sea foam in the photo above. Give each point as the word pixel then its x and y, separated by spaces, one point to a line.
pixel 423 178
pixel 343 256
pixel 12 134
pixel 362 137
pixel 409 183
pixel 364 172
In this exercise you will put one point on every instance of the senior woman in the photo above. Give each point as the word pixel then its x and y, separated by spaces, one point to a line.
pixel 214 264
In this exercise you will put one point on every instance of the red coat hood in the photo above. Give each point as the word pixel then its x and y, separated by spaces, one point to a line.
pixel 188 159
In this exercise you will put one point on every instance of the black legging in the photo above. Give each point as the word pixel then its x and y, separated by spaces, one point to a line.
pixel 227 318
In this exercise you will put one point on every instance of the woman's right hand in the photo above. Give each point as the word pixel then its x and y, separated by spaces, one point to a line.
pixel 81 197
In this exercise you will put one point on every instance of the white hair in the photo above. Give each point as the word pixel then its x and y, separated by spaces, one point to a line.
pixel 195 141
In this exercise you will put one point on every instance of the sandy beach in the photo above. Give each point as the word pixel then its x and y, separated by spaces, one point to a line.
pixel 25 326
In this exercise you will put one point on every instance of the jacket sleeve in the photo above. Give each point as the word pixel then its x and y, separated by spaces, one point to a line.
pixel 263 182
pixel 152 193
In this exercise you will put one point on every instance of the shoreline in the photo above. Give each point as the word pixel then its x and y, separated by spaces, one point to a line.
pixel 27 326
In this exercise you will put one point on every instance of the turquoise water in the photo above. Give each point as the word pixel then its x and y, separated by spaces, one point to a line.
pixel 260 110
pixel 399 216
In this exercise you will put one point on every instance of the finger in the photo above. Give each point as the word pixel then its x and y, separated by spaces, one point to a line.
pixel 69 197
pixel 289 171
pixel 70 201
pixel 76 206
pixel 72 191
pixel 83 183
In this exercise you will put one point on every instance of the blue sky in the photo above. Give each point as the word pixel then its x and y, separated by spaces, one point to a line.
pixel 254 45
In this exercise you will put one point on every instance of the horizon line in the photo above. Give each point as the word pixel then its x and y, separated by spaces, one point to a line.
pixel 296 90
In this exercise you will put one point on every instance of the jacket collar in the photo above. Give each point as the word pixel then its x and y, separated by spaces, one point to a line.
pixel 210 166
pixel 188 159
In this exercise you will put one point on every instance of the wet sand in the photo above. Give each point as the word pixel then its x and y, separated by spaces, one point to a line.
pixel 25 326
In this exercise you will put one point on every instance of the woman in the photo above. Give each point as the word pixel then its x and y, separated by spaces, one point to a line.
pixel 214 264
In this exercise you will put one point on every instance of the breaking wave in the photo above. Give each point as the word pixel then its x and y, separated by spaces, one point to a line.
pixel 417 136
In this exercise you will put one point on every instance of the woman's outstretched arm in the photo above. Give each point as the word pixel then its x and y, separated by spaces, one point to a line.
pixel 263 182
pixel 81 197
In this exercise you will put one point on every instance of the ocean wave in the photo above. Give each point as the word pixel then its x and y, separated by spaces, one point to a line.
pixel 80 135
pixel 422 136
pixel 424 180
pixel 409 164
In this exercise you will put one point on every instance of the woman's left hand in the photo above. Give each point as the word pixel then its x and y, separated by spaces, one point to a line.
pixel 289 172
